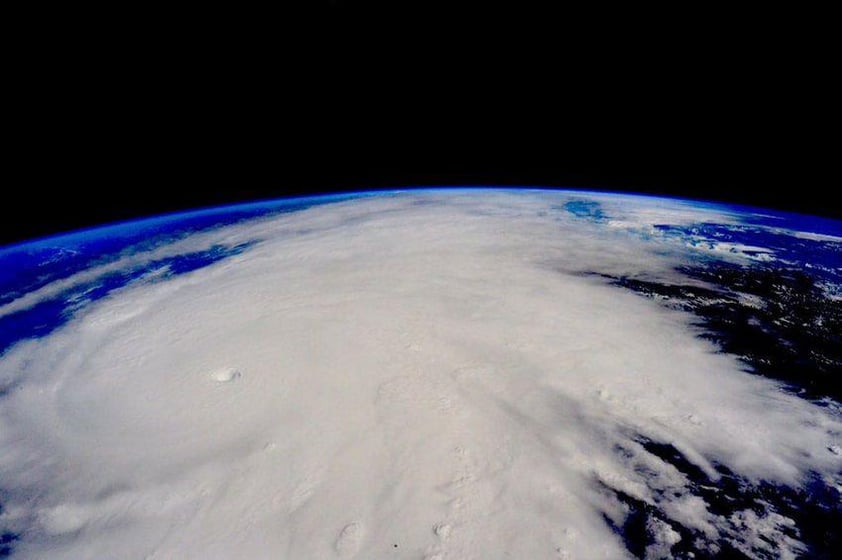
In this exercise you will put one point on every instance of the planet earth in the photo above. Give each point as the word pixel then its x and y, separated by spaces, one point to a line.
pixel 426 374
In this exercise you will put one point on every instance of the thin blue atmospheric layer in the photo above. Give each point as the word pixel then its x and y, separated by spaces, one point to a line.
pixel 32 265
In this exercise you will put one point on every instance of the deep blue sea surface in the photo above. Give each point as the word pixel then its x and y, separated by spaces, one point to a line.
pixel 28 266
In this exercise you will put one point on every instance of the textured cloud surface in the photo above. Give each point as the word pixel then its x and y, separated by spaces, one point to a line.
pixel 419 375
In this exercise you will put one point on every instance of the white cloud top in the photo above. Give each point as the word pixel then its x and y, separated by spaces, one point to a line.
pixel 422 375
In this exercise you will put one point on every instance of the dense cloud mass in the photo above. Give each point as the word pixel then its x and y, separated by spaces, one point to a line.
pixel 439 375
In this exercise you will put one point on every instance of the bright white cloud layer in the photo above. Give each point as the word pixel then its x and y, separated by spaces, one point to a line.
pixel 424 375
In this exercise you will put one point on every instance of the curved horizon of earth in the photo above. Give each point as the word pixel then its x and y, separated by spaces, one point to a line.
pixel 438 374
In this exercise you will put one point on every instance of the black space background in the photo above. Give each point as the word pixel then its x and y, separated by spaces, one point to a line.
pixel 119 115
